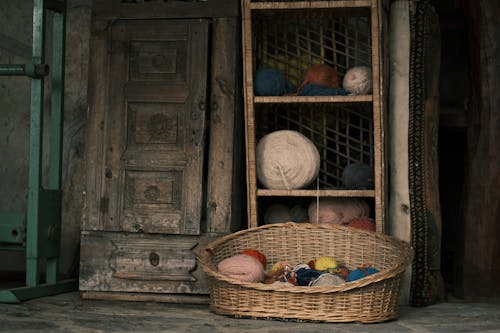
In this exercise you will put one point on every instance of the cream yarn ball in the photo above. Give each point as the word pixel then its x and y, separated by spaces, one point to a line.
pixel 286 160
pixel 358 80
pixel 337 210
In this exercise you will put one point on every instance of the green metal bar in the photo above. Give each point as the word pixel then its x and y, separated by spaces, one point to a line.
pixel 57 114
pixel 31 70
pixel 35 154
pixel 12 70
pixel 57 101
pixel 17 295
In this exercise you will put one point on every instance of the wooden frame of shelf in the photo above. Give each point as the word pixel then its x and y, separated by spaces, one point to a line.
pixel 371 10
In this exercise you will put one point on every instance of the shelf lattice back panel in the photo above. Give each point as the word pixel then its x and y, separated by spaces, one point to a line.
pixel 293 40
pixel 343 134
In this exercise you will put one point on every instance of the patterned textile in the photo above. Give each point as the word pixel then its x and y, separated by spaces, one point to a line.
pixel 426 282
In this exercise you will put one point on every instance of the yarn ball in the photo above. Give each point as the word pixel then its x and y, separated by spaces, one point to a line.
pixel 298 213
pixel 277 213
pixel 364 223
pixel 256 254
pixel 305 276
pixel 360 273
pixel 243 268
pixel 276 267
pixel 327 279
pixel 286 160
pixel 271 82
pixel 326 263
pixel 321 75
pixel 358 80
pixel 317 90
pixel 358 176
pixel 337 210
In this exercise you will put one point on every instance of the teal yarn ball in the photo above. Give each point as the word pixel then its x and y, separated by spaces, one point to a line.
pixel 271 82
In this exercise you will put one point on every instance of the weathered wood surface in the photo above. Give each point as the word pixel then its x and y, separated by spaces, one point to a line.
pixel 147 127
pixel 165 9
pixel 479 245
pixel 142 263
pixel 224 189
pixel 146 189
pixel 98 94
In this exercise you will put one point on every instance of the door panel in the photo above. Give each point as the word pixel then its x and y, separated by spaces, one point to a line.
pixel 155 126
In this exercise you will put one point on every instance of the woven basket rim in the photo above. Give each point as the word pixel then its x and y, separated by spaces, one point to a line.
pixel 205 255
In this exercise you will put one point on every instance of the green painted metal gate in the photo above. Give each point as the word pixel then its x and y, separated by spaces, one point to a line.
pixel 38 230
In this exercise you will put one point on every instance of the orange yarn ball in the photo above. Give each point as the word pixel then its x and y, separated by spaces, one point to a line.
pixel 322 75
pixel 257 255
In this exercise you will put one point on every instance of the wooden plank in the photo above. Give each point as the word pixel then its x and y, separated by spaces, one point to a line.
pixel 314 99
pixel 315 193
pixel 378 124
pixel 98 94
pixel 144 297
pixel 224 193
pixel 249 118
pixel 125 262
pixel 478 260
pixel 311 4
pixel 165 9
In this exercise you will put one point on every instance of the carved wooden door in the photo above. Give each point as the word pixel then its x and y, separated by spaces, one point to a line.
pixel 148 146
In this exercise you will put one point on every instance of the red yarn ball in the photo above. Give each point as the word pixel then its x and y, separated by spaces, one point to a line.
pixel 364 223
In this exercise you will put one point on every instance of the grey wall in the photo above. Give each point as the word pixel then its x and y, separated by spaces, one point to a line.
pixel 15 48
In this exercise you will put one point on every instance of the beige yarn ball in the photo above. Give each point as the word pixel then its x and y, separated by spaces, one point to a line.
pixel 358 80
pixel 337 210
pixel 286 160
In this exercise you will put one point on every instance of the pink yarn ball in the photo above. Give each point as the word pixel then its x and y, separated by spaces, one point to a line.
pixel 243 268
pixel 337 210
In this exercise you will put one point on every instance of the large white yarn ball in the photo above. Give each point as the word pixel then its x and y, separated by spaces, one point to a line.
pixel 358 80
pixel 286 160
pixel 337 210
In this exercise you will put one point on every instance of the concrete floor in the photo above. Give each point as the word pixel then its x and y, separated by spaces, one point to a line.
pixel 70 313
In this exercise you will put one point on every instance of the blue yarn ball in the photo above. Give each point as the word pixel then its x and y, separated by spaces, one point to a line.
pixel 305 276
pixel 271 82
pixel 358 176
pixel 357 274
pixel 317 90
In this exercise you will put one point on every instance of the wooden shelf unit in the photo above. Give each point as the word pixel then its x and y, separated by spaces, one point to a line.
pixel 291 36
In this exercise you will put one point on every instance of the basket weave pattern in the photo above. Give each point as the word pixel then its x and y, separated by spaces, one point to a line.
pixel 371 299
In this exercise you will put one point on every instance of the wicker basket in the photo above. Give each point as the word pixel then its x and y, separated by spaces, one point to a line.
pixel 371 299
